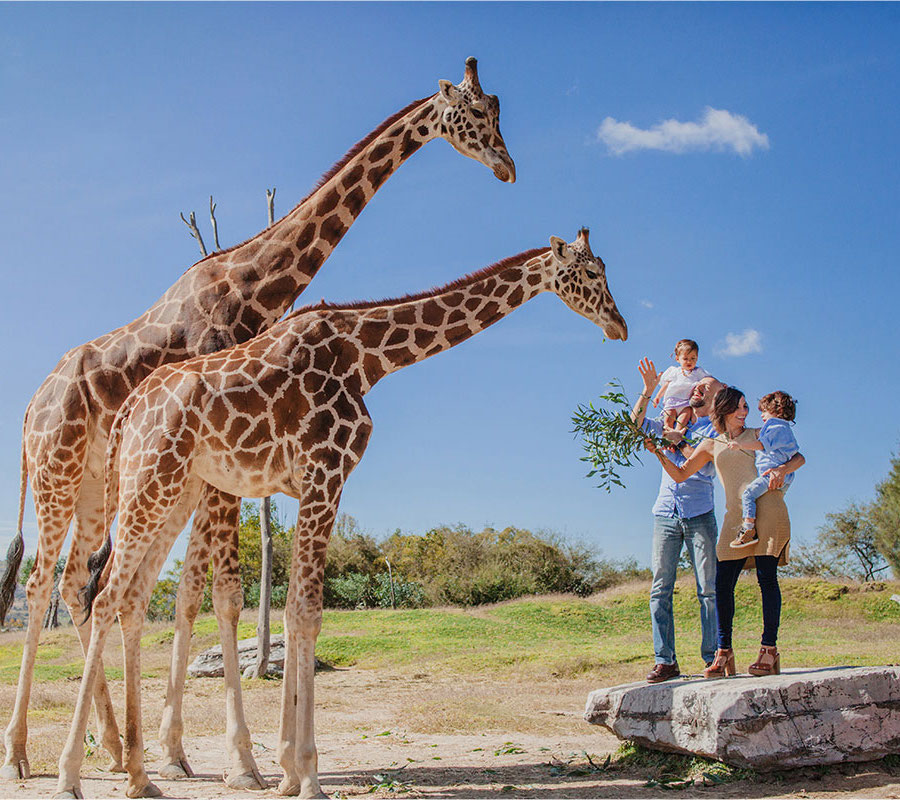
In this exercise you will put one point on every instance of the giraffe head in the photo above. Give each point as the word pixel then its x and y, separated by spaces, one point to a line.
pixel 470 121
pixel 579 278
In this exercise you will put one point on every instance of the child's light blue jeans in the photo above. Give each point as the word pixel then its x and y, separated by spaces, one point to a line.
pixel 753 492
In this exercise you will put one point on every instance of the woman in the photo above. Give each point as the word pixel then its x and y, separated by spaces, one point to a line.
pixel 736 469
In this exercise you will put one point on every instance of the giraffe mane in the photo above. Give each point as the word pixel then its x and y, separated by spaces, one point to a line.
pixel 338 166
pixel 459 283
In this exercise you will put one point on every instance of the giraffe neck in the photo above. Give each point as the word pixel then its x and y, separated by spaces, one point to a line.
pixel 272 268
pixel 396 334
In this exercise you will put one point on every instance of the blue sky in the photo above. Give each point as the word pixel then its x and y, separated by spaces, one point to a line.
pixel 116 117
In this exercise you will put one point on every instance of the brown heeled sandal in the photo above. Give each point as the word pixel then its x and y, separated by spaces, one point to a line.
pixel 722 665
pixel 768 662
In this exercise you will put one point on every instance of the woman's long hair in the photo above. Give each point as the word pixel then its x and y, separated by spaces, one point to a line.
pixel 727 402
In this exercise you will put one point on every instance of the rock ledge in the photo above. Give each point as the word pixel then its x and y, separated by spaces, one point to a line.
pixel 802 717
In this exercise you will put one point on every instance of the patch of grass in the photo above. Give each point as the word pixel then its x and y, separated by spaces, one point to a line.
pixel 605 638
pixel 676 771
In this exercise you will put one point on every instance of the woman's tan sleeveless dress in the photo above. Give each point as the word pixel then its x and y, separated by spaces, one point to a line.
pixel 736 469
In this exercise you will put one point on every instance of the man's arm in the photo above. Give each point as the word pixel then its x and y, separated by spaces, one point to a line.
pixel 650 378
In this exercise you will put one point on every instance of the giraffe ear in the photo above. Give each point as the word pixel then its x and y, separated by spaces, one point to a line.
pixel 450 93
pixel 561 250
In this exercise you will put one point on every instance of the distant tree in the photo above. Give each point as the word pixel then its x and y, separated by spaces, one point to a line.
pixel 886 517
pixel 844 547
pixel 162 599
pixel 51 617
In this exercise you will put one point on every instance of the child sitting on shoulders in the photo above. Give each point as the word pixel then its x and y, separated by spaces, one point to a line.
pixel 676 385
pixel 775 446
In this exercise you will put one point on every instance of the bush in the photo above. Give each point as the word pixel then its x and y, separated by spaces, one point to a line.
pixel 457 566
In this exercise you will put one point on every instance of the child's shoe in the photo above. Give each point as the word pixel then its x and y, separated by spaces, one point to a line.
pixel 746 538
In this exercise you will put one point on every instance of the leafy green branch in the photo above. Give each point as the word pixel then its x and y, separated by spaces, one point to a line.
pixel 610 439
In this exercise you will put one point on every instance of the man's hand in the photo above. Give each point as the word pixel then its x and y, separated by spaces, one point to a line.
pixel 776 477
pixel 649 376
pixel 650 445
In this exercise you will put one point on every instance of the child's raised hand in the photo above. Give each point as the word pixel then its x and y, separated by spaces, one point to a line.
pixel 656 401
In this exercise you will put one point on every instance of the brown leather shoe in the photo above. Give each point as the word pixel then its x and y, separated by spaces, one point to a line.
pixel 663 672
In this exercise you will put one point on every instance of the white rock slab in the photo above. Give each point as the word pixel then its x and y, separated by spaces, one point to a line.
pixel 802 717
pixel 208 664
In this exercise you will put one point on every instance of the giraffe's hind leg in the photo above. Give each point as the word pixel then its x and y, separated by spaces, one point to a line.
pixel 87 536
pixel 55 500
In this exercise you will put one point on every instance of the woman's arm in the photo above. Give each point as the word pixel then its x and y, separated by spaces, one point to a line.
pixel 701 456
pixel 777 474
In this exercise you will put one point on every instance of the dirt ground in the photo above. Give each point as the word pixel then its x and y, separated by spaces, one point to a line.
pixel 396 734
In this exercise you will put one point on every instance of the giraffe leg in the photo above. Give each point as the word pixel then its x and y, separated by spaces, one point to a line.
pixel 55 505
pixel 87 536
pixel 303 621
pixel 187 605
pixel 103 615
pixel 228 600
pixel 133 610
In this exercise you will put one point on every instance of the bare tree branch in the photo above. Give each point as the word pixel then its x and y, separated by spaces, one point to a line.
pixel 212 218
pixel 195 231
pixel 270 200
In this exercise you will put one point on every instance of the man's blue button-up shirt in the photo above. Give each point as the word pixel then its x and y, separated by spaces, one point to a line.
pixel 692 497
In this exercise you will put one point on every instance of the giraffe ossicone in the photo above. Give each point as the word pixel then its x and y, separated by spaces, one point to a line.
pixel 224 299
pixel 285 413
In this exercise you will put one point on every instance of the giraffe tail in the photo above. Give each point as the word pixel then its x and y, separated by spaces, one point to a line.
pixel 17 546
pixel 98 560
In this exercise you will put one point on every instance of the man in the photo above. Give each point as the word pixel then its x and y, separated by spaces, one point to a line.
pixel 683 516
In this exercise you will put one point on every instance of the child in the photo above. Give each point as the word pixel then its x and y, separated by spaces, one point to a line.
pixel 776 445
pixel 676 385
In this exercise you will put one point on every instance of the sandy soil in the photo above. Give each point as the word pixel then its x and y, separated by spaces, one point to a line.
pixel 414 735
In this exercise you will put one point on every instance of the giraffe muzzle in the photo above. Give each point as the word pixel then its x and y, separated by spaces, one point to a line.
pixel 504 168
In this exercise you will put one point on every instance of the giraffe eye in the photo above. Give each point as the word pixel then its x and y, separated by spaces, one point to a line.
pixel 592 275
pixel 477 113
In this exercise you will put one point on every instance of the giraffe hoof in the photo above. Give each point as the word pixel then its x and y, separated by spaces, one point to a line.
pixel 115 765
pixel 146 790
pixel 245 780
pixel 69 794
pixel 16 769
pixel 176 770
pixel 289 787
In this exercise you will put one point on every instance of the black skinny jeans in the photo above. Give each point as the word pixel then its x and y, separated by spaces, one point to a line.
pixel 727 573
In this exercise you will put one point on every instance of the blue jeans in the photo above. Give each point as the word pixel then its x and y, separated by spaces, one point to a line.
pixel 727 576
pixel 754 491
pixel 699 535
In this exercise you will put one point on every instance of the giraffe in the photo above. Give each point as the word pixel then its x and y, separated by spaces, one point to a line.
pixel 224 299
pixel 283 413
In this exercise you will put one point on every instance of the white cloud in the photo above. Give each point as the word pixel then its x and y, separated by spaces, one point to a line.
pixel 717 130
pixel 740 344
pixel 646 304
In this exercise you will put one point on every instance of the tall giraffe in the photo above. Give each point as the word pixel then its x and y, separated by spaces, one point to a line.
pixel 224 299
pixel 284 413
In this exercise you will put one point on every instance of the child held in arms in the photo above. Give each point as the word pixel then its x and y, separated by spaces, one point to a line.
pixel 775 445
pixel 676 385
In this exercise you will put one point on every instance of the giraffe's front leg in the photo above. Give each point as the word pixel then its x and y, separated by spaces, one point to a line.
pixel 228 600
pixel 187 605
pixel 303 621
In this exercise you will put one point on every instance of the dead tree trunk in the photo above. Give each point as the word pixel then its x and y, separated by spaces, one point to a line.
pixel 263 628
